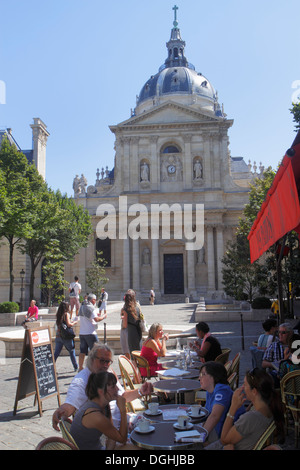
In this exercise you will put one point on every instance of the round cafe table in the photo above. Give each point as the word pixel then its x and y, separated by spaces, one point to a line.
pixel 162 437
pixel 190 374
pixel 177 386
pixel 166 413
pixel 169 364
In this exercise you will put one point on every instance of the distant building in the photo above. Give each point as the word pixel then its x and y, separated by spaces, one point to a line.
pixel 174 149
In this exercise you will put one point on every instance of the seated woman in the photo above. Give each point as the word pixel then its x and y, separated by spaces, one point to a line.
pixel 266 406
pixel 213 379
pixel 32 314
pixel 210 347
pixel 93 419
pixel 154 347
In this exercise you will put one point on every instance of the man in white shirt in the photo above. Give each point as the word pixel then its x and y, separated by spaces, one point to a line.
pixel 99 359
pixel 88 327
pixel 74 291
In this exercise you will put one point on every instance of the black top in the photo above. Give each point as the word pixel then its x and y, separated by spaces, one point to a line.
pixel 214 350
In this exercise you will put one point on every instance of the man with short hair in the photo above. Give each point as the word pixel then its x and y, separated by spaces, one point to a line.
pixel 74 291
pixel 275 352
pixel 88 327
pixel 99 359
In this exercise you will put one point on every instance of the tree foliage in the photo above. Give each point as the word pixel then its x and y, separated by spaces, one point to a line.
pixel 95 274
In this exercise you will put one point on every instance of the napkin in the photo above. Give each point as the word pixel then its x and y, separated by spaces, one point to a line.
pixel 190 436
pixel 173 372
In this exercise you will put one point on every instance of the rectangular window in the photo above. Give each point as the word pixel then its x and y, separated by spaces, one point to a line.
pixel 105 247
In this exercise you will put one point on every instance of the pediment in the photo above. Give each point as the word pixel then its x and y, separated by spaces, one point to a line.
pixel 169 113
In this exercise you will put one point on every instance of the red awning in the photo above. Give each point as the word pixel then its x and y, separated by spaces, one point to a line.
pixel 280 212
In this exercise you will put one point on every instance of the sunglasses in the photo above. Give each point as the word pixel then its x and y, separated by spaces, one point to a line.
pixel 282 332
pixel 104 361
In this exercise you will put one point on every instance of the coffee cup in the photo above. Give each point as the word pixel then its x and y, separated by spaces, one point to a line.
pixel 183 421
pixel 144 425
pixel 195 410
pixel 153 407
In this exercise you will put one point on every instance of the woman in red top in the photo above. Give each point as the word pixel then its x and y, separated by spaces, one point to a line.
pixel 32 314
pixel 154 347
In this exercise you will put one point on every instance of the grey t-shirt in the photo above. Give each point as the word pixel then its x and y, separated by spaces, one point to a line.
pixel 251 425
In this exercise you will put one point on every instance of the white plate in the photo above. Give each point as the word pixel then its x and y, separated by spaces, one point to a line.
pixel 196 416
pixel 151 428
pixel 148 412
pixel 189 426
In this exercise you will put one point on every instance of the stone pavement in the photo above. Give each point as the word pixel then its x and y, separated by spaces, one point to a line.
pixel 26 429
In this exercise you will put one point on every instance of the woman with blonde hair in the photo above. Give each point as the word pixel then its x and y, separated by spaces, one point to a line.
pixel 154 347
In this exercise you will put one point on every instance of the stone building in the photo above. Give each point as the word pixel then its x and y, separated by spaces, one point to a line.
pixel 173 150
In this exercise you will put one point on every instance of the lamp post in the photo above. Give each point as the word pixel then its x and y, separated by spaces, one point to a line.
pixel 22 275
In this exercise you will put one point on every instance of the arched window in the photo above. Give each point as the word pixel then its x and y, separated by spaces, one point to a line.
pixel 171 149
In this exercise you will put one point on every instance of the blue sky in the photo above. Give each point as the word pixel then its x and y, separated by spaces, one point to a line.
pixel 78 65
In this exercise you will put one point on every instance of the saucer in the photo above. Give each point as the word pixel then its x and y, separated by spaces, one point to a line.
pixel 202 413
pixel 148 413
pixel 151 428
pixel 189 426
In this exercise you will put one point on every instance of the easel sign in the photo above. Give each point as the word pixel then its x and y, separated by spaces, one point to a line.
pixel 37 374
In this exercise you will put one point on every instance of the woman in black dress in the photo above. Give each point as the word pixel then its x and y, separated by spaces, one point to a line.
pixel 131 320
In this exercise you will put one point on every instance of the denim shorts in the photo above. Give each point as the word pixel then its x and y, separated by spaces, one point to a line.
pixel 87 342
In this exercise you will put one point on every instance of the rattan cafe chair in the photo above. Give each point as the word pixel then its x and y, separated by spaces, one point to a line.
pixel 55 443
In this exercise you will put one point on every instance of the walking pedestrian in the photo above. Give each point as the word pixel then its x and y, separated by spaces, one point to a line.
pixel 74 291
pixel 63 316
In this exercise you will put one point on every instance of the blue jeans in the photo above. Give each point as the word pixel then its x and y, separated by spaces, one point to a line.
pixel 69 345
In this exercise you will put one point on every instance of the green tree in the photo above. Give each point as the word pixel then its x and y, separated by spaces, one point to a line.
pixel 54 283
pixel 20 183
pixel 56 218
pixel 95 274
pixel 295 110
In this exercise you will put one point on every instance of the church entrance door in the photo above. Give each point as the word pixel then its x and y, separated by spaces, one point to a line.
pixel 173 274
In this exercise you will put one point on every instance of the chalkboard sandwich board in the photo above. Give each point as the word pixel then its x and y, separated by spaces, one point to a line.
pixel 37 369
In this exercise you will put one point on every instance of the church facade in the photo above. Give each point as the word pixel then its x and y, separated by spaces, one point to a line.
pixel 172 158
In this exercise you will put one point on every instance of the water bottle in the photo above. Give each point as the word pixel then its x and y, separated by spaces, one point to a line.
pixel 178 346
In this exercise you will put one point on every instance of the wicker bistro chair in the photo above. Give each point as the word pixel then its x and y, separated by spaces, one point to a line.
pixel 235 367
pixel 141 362
pixel 65 426
pixel 55 443
pixel 127 368
pixel 223 358
pixel 266 438
pixel 232 381
pixel 290 396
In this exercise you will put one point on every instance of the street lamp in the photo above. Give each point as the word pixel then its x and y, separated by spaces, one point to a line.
pixel 22 275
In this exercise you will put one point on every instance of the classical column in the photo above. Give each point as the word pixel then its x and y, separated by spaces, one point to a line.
pixel 134 166
pixel 155 265
pixel 210 259
pixel 155 164
pixel 220 254
pixel 190 257
pixel 125 163
pixel 126 264
pixel 207 159
pixel 136 265
pixel 188 164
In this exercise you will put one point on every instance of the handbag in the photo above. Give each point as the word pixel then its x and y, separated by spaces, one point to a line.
pixel 143 324
pixel 66 332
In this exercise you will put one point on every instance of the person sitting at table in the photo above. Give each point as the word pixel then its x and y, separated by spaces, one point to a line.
pixel 154 347
pixel 99 359
pixel 210 347
pixel 32 314
pixel 264 341
pixel 213 379
pixel 93 419
pixel 291 362
pixel 259 389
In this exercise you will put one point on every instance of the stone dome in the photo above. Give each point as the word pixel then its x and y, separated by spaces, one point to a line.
pixel 177 80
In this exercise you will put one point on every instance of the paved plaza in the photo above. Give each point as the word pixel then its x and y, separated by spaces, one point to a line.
pixel 26 429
